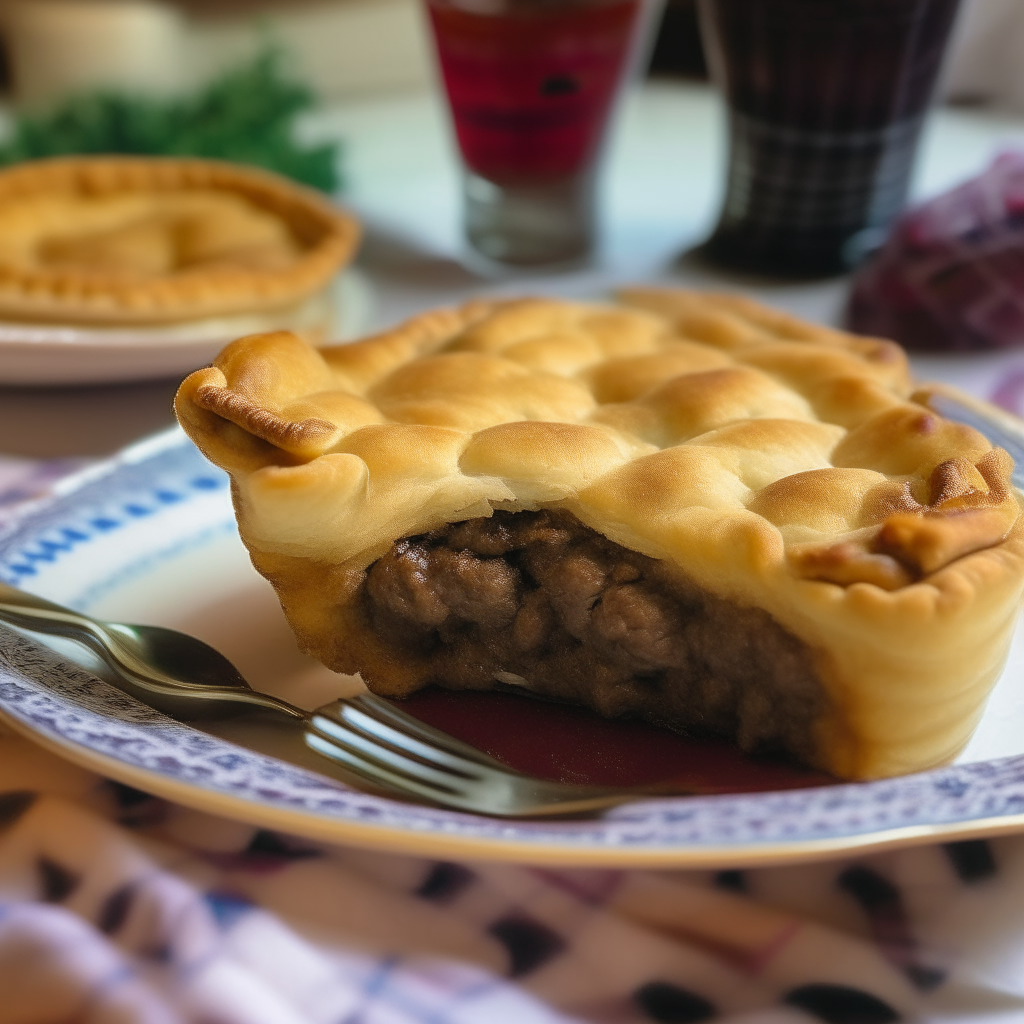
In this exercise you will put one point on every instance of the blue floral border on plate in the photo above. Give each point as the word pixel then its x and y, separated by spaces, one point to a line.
pixel 68 704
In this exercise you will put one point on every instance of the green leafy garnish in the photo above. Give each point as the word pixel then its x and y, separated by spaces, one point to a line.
pixel 246 116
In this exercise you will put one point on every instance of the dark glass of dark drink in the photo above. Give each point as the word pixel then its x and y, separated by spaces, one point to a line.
pixel 826 100
pixel 531 84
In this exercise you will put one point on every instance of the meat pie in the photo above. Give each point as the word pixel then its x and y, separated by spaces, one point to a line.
pixel 684 508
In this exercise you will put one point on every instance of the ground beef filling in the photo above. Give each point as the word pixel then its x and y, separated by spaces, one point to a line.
pixel 538 600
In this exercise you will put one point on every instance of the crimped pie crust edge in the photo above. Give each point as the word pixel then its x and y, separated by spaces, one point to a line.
pixel 57 295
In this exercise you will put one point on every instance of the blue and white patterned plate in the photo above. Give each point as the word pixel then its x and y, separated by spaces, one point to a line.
pixel 150 536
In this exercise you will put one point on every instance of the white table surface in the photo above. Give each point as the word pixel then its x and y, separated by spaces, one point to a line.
pixel 660 198
pixel 661 194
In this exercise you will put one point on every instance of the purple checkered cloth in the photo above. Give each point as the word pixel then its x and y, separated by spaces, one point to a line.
pixel 951 275
pixel 119 908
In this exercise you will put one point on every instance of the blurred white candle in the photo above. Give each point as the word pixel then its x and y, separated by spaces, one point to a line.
pixel 58 47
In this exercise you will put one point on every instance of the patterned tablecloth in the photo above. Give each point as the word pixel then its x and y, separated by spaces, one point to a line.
pixel 118 907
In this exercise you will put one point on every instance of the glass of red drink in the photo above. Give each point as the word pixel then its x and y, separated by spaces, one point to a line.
pixel 531 85
pixel 826 102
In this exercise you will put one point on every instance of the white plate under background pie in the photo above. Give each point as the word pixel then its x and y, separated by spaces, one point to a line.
pixel 150 537
pixel 51 354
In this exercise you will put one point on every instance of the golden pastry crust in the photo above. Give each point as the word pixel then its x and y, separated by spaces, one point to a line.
pixel 156 240
pixel 779 465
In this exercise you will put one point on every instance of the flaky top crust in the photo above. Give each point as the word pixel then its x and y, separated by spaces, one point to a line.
pixel 57 203
pixel 779 464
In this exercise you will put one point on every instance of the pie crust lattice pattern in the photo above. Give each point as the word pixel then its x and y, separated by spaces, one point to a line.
pixel 780 465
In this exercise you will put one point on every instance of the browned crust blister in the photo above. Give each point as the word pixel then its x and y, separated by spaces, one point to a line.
pixel 324 239
pixel 779 464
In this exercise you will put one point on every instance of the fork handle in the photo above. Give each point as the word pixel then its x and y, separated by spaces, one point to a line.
pixel 134 676
pixel 27 611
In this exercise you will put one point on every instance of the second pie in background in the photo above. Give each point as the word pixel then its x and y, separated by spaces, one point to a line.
pixel 135 266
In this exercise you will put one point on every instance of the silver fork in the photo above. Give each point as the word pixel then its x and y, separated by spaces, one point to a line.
pixel 188 680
